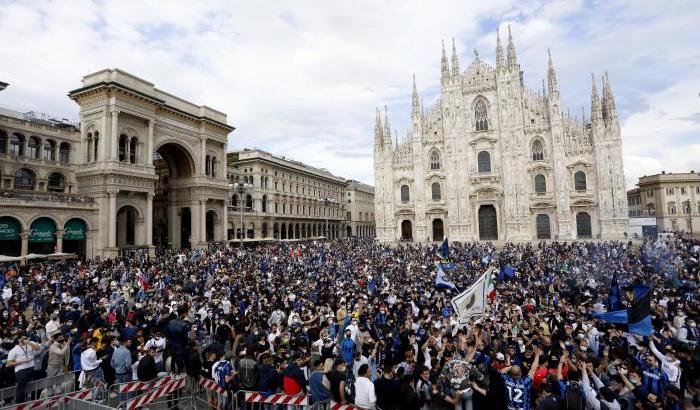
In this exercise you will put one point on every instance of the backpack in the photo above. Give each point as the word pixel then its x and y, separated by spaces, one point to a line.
pixel 248 373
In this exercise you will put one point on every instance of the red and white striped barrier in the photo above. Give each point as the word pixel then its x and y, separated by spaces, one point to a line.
pixel 135 386
pixel 53 401
pixel 338 406
pixel 162 390
pixel 279 398
pixel 211 385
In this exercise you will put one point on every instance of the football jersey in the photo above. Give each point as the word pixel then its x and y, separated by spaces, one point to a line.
pixel 518 392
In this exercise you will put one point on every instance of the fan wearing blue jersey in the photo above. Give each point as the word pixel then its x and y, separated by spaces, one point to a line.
pixel 518 387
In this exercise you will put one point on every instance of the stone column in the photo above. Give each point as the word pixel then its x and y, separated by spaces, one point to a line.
pixel 24 235
pixel 114 135
pixel 149 218
pixel 149 143
pixel 112 219
pixel 224 224
pixel 203 155
pixel 103 139
pixel 173 224
pixel 59 240
pixel 195 221
pixel 203 222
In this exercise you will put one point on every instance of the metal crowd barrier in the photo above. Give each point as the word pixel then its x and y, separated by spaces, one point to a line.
pixel 166 390
pixel 61 383
pixel 73 403
pixel 57 400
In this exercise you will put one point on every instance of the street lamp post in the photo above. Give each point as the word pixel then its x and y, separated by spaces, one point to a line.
pixel 241 189
pixel 326 202
pixel 688 209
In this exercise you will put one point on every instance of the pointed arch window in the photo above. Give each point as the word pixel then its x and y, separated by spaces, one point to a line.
pixel 481 116
pixel 537 151
pixel 540 184
pixel 434 159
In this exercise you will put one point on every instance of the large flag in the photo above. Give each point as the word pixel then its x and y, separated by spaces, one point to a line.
pixel 614 297
pixel 636 319
pixel 444 250
pixel 441 280
pixel 473 301
pixel 506 271
pixel 443 256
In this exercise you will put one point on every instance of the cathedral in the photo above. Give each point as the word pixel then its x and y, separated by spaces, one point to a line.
pixel 495 160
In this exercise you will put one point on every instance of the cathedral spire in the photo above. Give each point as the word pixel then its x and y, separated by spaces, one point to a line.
pixel 444 67
pixel 378 129
pixel 416 101
pixel 512 59
pixel 387 127
pixel 595 101
pixel 552 75
pixel 499 50
pixel 608 105
pixel 455 60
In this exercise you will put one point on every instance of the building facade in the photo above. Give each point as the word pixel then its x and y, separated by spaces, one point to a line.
pixel 143 168
pixel 673 199
pixel 288 199
pixel 359 209
pixel 495 160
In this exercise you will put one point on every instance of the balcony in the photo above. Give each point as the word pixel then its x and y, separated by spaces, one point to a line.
pixel 48 199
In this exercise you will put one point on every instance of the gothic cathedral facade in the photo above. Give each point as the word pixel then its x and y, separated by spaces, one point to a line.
pixel 495 160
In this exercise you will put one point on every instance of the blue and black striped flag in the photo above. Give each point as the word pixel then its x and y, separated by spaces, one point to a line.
pixel 636 319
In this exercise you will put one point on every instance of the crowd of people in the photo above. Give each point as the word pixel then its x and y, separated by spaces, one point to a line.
pixel 355 321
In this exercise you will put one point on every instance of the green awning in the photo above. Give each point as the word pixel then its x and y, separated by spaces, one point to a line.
pixel 42 230
pixel 74 230
pixel 9 229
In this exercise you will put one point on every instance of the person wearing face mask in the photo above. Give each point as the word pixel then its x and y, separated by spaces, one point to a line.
pixel 59 357
pixel 158 343
pixel 21 357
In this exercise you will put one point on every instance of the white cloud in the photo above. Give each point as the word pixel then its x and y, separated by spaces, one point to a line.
pixel 302 79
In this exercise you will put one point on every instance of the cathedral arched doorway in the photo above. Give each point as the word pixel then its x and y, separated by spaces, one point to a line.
pixel 211 226
pixel 126 226
pixel 583 225
pixel 171 223
pixel 406 231
pixel 438 230
pixel 488 223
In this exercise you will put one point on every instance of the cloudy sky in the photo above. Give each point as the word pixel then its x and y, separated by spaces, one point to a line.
pixel 303 78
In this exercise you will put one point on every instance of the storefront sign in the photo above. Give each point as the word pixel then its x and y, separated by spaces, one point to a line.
pixel 9 229
pixel 42 230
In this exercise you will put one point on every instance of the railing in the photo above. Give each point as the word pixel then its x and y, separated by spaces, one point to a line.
pixel 62 383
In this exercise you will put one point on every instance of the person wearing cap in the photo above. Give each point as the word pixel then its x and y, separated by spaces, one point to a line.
pixel 347 347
